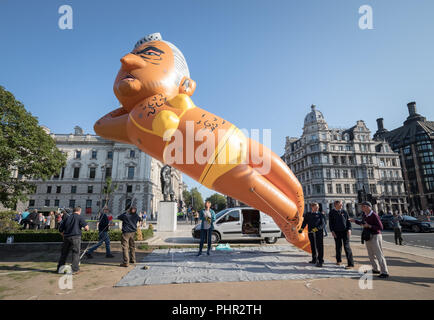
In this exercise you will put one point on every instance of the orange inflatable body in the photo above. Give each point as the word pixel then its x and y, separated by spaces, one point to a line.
pixel 159 117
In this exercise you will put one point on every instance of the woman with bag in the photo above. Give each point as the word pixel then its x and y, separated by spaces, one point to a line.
pixel 373 239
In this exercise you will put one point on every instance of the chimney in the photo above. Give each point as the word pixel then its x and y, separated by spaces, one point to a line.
pixel 380 126
pixel 411 108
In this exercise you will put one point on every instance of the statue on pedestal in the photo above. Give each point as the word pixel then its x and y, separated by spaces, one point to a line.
pixel 166 183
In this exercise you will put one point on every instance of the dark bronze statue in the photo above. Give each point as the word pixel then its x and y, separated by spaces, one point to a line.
pixel 166 183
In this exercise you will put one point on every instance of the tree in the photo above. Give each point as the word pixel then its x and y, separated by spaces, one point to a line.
pixel 194 198
pixel 26 151
pixel 186 195
pixel 197 199
pixel 217 200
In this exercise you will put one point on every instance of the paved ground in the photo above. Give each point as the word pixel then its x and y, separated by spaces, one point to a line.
pixel 30 276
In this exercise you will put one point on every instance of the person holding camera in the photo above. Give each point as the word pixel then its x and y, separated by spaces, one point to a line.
pixel 316 224
pixel 207 216
pixel 373 239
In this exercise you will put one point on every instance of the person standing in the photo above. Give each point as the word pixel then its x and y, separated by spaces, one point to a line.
pixel 70 228
pixel 196 216
pixel 340 227
pixel 371 221
pixel 52 220
pixel 103 236
pixel 25 218
pixel 33 219
pixel 207 217
pixel 315 222
pixel 129 228
pixel 396 220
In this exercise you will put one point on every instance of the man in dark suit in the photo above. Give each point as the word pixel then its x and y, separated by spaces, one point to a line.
pixel 340 226
pixel 316 223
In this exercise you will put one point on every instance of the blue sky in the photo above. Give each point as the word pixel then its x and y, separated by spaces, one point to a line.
pixel 259 64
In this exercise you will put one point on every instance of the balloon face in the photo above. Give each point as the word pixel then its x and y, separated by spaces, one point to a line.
pixel 146 71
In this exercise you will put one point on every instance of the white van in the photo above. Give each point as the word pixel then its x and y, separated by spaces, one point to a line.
pixel 242 223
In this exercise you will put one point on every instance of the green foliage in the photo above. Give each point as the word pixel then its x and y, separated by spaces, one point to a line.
pixel 217 200
pixel 196 199
pixel 7 223
pixel 53 235
pixel 26 149
pixel 186 195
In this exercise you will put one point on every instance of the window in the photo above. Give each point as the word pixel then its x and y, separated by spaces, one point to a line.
pixel 130 172
pixel 335 160
pixel 338 188
pixel 345 174
pixel 347 188
pixel 344 160
pixel 337 174
pixel 63 173
pixel 78 154
pixel 88 204
pixel 109 154
pixel 76 173
pixel 129 188
pixel 48 189
pixel 132 154
pixel 353 173
pixel 73 189
pixel 108 172
pixel 58 189
pixel 56 203
pixel 72 203
pixel 328 173
pixel 31 203
pixel 373 188
pixel 47 203
pixel 317 188
pixel 330 188
pixel 371 173
pixel 92 172
pixel 354 188
pixel 232 216
pixel 89 189
pixel 93 156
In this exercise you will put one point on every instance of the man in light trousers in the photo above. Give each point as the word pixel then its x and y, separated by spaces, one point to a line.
pixel 372 222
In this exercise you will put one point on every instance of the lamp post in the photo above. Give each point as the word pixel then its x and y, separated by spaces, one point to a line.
pixel 101 191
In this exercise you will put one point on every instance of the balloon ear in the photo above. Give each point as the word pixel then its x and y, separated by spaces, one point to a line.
pixel 187 86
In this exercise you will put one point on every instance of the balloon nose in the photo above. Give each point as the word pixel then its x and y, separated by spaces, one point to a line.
pixel 131 62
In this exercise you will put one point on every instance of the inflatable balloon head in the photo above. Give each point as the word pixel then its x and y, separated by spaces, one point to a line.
pixel 153 67
pixel 159 117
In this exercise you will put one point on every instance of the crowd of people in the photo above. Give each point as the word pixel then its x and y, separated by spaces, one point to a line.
pixel 32 219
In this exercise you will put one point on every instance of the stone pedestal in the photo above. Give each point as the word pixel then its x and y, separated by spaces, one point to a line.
pixel 166 220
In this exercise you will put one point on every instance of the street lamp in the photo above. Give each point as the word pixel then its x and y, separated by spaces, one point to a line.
pixel 100 194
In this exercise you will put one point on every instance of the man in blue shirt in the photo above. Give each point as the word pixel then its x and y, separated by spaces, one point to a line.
pixel 70 228
pixel 129 228
pixel 103 236
pixel 315 221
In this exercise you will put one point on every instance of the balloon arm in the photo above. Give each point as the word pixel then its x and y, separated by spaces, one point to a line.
pixel 113 126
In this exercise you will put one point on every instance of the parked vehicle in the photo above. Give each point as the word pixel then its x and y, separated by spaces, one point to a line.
pixel 242 223
pixel 412 224
pixel 387 221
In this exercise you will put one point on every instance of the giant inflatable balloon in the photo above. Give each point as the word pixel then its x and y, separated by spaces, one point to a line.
pixel 158 116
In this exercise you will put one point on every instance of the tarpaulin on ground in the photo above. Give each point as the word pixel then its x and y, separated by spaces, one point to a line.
pixel 242 264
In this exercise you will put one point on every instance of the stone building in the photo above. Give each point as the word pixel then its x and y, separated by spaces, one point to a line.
pixel 414 142
pixel 335 163
pixel 90 160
